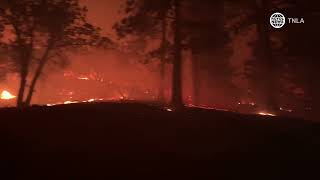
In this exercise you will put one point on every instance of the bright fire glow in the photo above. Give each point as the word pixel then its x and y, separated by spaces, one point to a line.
pixel 91 100
pixel 287 110
pixel 207 107
pixel 75 102
pixel 169 109
pixel 84 78
pixel 70 102
pixel 266 114
pixel 6 95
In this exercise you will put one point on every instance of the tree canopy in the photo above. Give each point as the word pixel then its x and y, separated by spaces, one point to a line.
pixel 40 32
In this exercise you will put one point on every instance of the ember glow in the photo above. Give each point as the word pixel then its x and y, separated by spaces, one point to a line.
pixel 6 95
pixel 70 102
pixel 84 78
pixel 94 76
pixel 208 108
pixel 77 102
pixel 169 109
pixel 266 114
pixel 286 110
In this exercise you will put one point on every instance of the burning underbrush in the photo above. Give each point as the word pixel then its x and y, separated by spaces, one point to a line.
pixel 101 76
pixel 6 95
pixel 114 92
pixel 72 87
pixel 8 99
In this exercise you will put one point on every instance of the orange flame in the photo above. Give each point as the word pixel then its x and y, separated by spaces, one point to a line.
pixel 6 95
pixel 266 114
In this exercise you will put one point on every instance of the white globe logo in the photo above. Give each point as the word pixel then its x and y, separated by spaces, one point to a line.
pixel 277 20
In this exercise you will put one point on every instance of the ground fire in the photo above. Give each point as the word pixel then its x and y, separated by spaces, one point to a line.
pixel 266 114
pixel 6 95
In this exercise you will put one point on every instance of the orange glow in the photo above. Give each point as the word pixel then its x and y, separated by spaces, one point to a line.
pixel 6 95
pixel 169 109
pixel 75 102
pixel 84 78
pixel 286 110
pixel 266 114
pixel 208 108
pixel 70 102
pixel 91 100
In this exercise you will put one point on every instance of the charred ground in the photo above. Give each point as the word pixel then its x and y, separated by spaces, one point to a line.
pixel 130 140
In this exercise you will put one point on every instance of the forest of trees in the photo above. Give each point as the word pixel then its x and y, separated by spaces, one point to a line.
pixel 283 61
pixel 43 32
pixel 179 26
pixel 206 28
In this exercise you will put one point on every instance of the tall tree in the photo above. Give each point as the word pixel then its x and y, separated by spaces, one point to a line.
pixel 181 28
pixel 44 31
pixel 254 14
pixel 268 67
pixel 149 19
pixel 208 39
pixel 280 55
pixel 300 49
pixel 177 99
pixel 164 46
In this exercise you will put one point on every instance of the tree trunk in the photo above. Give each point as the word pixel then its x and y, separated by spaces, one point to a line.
pixel 22 87
pixel 36 77
pixel 268 86
pixel 177 101
pixel 33 85
pixel 196 79
pixel 162 82
pixel 163 57
pixel 25 55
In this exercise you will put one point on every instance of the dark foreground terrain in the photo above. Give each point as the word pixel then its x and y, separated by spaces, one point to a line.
pixel 134 141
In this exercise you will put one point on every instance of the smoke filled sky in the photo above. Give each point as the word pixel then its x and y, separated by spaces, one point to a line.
pixel 103 13
pixel 111 65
